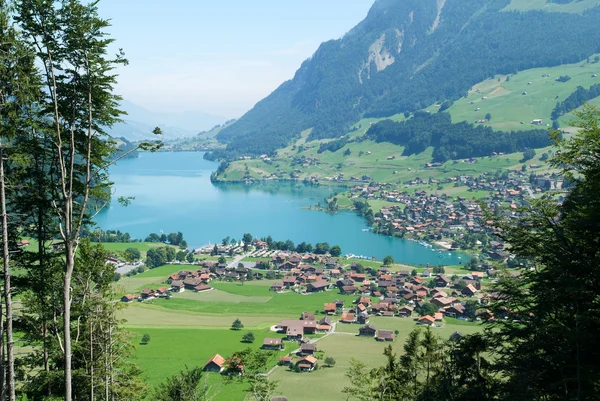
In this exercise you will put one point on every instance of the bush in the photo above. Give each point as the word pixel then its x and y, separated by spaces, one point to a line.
pixel 145 339
pixel 248 338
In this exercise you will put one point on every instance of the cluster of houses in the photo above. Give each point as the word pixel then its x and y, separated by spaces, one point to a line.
pixel 424 216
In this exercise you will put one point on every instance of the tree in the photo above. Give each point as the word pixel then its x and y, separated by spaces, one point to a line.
pixel 248 337
pixel 132 254
pixel 222 260
pixel 247 240
pixel 145 339
pixel 335 251
pixel 414 273
pixel 388 260
pixel 225 241
pixel 329 361
pixel 549 316
pixel 488 116
pixel 190 257
pixel 184 386
pixel 427 309
pixel 237 325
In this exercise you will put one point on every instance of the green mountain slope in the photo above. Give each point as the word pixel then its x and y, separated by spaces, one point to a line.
pixel 405 56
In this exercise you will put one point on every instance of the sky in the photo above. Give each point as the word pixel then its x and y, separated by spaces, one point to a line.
pixel 219 56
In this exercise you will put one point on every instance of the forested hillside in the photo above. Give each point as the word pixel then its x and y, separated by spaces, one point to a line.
pixel 405 56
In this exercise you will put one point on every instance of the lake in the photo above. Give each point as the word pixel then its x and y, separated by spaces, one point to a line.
pixel 173 192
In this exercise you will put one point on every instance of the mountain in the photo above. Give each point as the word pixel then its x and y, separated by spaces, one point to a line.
pixel 139 123
pixel 409 54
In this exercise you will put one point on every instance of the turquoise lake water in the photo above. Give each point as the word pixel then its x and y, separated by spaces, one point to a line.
pixel 173 192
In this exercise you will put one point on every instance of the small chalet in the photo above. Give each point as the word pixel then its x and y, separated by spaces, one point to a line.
pixel 285 361
pixel 426 273
pixel 277 286
pixel 330 309
pixel 456 336
pixel 289 281
pixel 443 302
pixel 319 285
pixel 295 329
pixel 127 298
pixel 148 294
pixel 438 317
pixel 272 344
pixel 202 288
pixel 426 320
pixel 339 304
pixel 469 290
pixel 307 363
pixel 441 281
pixel 215 364
pixel 367 331
pixel 385 335
pixel 324 324
pixel 307 316
pixel 348 318
pixel 455 311
pixel 348 289
pixel 177 286
pixel 405 311
pixel 308 349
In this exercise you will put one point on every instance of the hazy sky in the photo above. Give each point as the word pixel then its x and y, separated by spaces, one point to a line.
pixel 219 56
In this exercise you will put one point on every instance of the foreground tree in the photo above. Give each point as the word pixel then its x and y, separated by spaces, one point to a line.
pixel 548 320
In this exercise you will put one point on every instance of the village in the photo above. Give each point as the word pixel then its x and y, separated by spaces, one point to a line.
pixel 456 222
pixel 428 298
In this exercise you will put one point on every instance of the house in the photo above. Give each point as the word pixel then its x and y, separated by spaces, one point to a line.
pixel 426 273
pixel 319 285
pixel 289 281
pixel 202 287
pixel 272 344
pixel 324 324
pixel 348 318
pixel 215 364
pixel 307 363
pixel 348 289
pixel 441 281
pixel 147 294
pixel 426 320
pixel 455 311
pixel 295 329
pixel 456 336
pixel 438 317
pixel 364 301
pixel 177 286
pixel 469 290
pixel 385 335
pixel 307 316
pixel 330 309
pixel 339 304
pixel 285 361
pixel 443 302
pixel 405 311
pixel 127 298
pixel 367 331
pixel 308 349
pixel 277 286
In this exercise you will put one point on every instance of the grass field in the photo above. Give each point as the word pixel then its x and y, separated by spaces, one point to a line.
pixel 573 7
pixel 507 104
pixel 331 381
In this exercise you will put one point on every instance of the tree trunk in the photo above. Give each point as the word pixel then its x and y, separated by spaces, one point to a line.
pixel 10 373
pixel 91 362
pixel 70 262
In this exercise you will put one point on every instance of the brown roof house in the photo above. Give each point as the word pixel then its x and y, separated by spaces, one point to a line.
pixel 307 363
pixel 273 344
pixel 367 331
pixel 385 335
pixel 295 329
pixel 308 349
pixel 426 320
pixel 215 364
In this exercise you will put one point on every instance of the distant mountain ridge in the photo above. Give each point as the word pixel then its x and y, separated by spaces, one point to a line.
pixel 405 56
pixel 139 122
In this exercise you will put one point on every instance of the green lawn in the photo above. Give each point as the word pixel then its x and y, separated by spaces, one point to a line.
pixel 170 350
pixel 331 381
